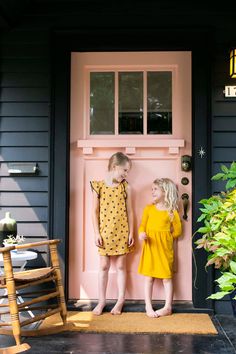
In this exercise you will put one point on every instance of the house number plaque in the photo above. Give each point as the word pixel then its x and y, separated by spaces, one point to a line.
pixel 230 91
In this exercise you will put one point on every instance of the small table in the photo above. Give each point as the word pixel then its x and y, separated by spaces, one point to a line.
pixel 19 259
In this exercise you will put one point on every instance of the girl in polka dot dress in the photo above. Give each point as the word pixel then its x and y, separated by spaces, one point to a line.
pixel 113 226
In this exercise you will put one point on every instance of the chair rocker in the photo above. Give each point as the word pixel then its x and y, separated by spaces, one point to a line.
pixel 12 282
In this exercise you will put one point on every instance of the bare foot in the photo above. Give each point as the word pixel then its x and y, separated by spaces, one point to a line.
pixel 151 313
pixel 164 311
pixel 117 308
pixel 99 308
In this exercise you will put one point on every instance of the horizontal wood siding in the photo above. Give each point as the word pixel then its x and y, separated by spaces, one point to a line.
pixel 28 124
pixel 223 134
pixel 24 154
pixel 223 117
pixel 19 184
pixel 24 131
pixel 25 199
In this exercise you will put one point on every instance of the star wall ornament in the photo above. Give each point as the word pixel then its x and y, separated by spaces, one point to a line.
pixel 201 152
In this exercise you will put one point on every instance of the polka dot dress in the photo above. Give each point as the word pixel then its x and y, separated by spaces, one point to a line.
pixel 113 219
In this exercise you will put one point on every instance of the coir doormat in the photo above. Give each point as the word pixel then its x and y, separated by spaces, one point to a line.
pixel 134 322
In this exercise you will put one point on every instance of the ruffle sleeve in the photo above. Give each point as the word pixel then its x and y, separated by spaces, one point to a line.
pixel 95 186
pixel 124 184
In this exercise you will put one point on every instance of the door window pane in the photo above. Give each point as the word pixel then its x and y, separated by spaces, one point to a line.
pixel 130 102
pixel 102 86
pixel 159 102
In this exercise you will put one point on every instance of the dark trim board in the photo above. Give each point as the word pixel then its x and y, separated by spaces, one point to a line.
pixel 63 43
pixel 60 155
pixel 201 96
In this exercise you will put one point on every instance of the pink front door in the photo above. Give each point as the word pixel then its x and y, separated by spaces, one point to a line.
pixel 154 153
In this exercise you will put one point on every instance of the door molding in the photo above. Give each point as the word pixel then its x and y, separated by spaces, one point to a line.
pixel 63 43
pixel 173 145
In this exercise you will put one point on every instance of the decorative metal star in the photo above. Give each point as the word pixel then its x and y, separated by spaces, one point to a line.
pixel 202 152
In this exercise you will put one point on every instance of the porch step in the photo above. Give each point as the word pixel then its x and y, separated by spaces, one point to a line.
pixel 136 306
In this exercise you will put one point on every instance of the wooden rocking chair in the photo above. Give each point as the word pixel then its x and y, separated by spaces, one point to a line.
pixel 13 282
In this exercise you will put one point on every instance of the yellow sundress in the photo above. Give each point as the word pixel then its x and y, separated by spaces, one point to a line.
pixel 157 253
pixel 113 218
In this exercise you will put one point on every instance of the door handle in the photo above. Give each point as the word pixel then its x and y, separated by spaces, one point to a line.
pixel 185 198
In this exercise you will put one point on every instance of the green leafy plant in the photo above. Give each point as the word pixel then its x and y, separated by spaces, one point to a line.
pixel 218 215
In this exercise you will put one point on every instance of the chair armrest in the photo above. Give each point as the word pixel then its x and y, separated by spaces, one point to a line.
pixel 6 249
pixel 36 244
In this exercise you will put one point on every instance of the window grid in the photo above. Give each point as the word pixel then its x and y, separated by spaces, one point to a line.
pixel 116 97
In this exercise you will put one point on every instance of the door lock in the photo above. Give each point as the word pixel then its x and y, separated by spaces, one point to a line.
pixel 186 163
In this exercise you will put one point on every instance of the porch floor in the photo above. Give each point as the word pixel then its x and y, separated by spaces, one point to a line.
pixel 74 342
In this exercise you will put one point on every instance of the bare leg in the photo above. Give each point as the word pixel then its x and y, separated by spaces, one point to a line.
pixel 148 297
pixel 102 284
pixel 167 309
pixel 121 282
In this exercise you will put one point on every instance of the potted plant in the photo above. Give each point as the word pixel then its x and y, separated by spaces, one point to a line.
pixel 8 226
pixel 13 240
pixel 218 215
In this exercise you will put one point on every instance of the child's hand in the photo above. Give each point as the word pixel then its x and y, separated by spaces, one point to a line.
pixel 142 236
pixel 130 241
pixel 98 241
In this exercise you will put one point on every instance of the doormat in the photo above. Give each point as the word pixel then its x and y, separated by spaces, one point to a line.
pixel 133 322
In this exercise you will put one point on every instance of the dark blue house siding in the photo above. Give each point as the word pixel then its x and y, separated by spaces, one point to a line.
pixel 25 129
pixel 223 118
pixel 223 134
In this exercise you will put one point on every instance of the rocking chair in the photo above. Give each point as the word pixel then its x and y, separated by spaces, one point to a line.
pixel 13 282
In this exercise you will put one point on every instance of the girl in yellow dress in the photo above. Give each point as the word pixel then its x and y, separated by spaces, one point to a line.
pixel 113 226
pixel 160 226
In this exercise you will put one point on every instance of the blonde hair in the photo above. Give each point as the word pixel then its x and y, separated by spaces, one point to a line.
pixel 171 193
pixel 118 159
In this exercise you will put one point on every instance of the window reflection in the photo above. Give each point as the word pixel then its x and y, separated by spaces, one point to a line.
pixel 130 102
pixel 102 87
pixel 159 102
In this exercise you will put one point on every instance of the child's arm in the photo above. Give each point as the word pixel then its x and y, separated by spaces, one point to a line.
pixel 95 220
pixel 142 228
pixel 176 225
pixel 130 216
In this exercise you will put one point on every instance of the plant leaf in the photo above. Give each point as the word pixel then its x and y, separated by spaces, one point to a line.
pixel 218 176
pixel 224 169
pixel 203 230
pixel 203 201
pixel 233 266
pixel 230 184
pixel 201 217
pixel 227 288
pixel 218 295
